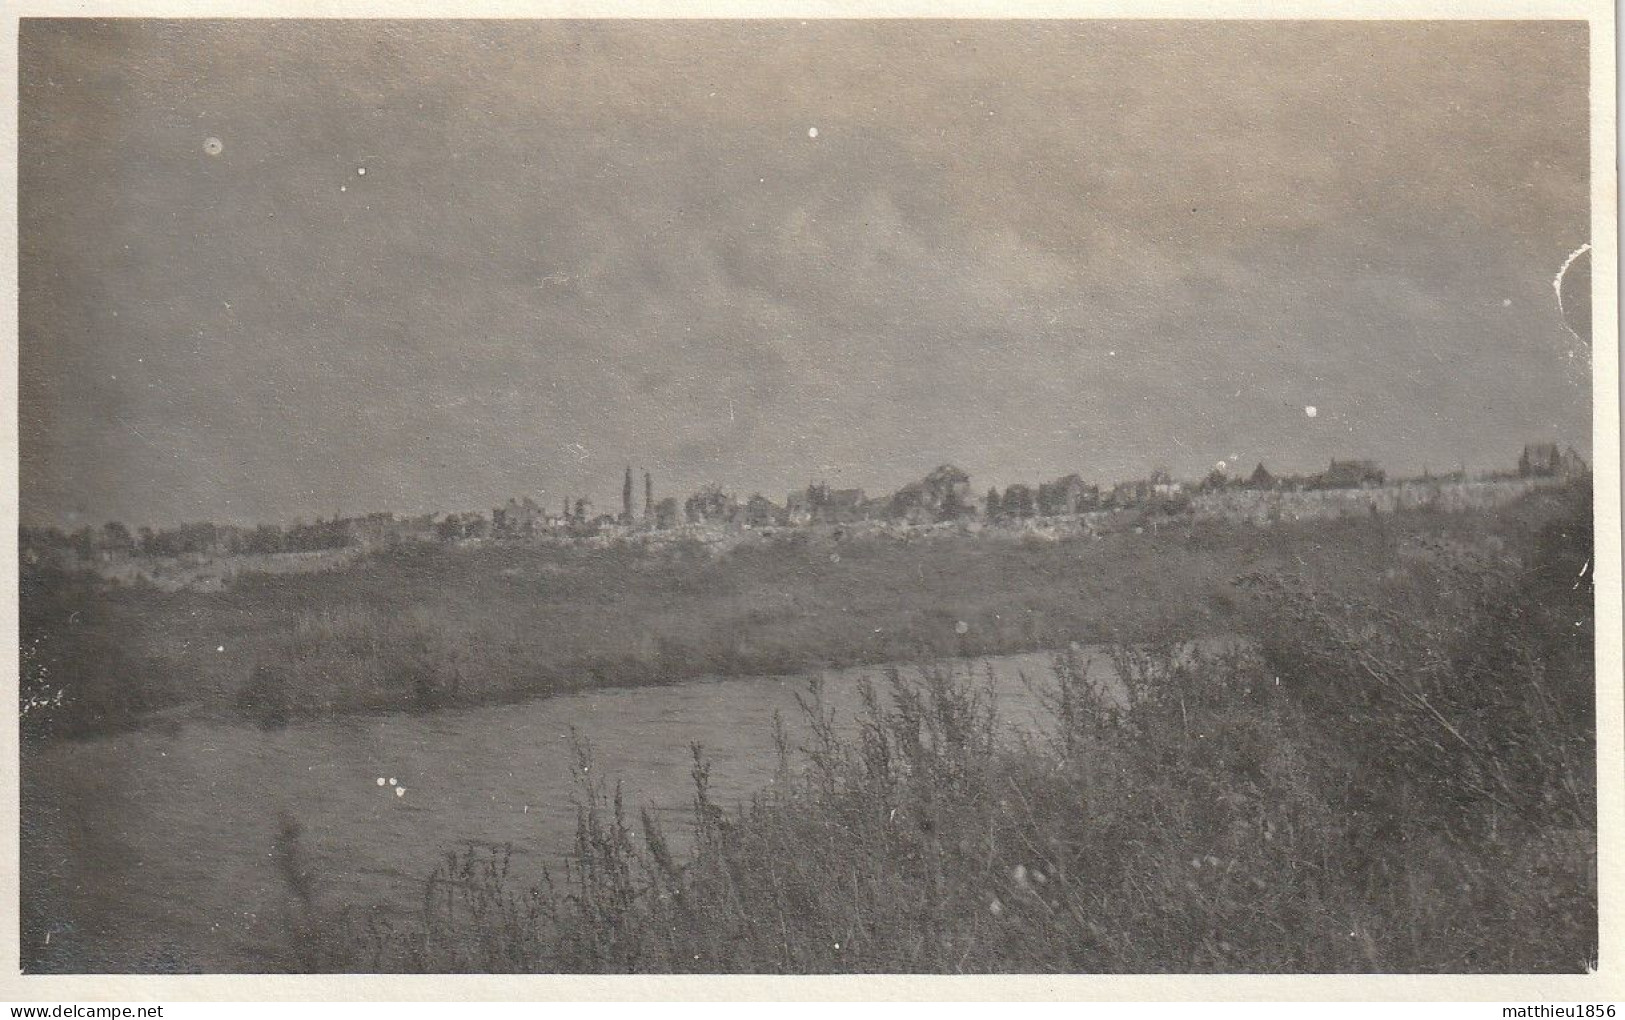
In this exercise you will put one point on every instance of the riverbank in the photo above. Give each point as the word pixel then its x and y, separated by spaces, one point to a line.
pixel 270 836
pixel 426 627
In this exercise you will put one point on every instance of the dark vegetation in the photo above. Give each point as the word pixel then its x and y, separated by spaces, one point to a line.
pixel 1395 772
pixel 428 626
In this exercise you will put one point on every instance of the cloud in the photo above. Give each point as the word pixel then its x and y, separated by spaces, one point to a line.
pixel 618 238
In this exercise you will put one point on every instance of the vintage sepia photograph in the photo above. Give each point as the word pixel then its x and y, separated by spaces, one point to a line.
pixel 775 496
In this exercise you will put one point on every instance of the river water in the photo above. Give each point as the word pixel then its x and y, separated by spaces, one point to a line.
pixel 159 851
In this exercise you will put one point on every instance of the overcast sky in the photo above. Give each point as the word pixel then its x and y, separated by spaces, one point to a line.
pixel 432 265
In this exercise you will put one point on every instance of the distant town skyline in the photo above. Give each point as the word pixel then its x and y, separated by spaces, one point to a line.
pixel 274 270
pixel 568 506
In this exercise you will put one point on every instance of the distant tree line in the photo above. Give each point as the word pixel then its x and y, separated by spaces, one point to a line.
pixel 189 539
pixel 943 495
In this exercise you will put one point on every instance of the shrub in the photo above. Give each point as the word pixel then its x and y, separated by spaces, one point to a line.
pixel 1466 681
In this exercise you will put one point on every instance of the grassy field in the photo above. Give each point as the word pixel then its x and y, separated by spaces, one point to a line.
pixel 1396 774
pixel 429 626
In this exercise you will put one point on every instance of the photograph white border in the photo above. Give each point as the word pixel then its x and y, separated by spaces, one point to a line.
pixel 1602 985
